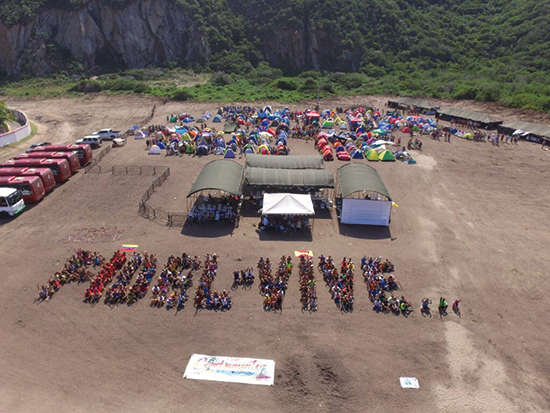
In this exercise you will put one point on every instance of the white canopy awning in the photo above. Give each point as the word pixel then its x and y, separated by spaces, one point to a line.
pixel 287 204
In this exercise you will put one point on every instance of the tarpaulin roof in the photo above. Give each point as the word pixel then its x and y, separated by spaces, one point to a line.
pixel 222 175
pixel 287 204
pixel 229 127
pixel 468 114
pixel 534 128
pixel 319 178
pixel 355 177
pixel 421 103
pixel 285 162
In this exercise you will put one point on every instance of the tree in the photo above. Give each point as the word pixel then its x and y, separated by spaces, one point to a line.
pixel 5 115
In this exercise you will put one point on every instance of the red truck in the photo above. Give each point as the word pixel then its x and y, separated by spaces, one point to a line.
pixel 44 174
pixel 72 158
pixel 84 152
pixel 59 167
pixel 31 187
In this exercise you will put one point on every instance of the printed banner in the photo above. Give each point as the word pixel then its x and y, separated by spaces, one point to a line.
pixel 304 252
pixel 409 382
pixel 129 247
pixel 230 369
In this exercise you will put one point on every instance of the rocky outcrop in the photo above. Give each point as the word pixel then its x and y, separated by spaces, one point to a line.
pixel 146 32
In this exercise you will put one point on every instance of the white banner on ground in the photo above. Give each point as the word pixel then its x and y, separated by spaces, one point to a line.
pixel 409 382
pixel 230 369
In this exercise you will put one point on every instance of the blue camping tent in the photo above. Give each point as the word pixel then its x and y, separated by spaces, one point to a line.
pixel 161 145
pixel 229 153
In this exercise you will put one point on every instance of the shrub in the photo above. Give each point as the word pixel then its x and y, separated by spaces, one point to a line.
pixel 87 86
pixel 182 95
pixel 286 83
pixel 220 79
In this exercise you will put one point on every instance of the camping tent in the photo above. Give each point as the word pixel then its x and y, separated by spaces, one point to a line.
pixel 217 119
pixel 386 156
pixel 372 155
pixel 155 150
pixel 287 204
pixel 139 134
pixel 229 153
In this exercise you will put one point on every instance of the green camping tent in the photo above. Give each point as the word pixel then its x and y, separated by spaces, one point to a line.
pixel 386 156
pixel 372 155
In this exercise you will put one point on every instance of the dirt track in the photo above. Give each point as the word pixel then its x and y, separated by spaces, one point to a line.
pixel 472 223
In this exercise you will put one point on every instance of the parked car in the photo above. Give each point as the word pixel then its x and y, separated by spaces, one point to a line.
pixel 107 134
pixel 93 141
pixel 36 145
pixel 11 202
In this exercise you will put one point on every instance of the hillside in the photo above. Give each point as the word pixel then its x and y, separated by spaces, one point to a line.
pixel 494 51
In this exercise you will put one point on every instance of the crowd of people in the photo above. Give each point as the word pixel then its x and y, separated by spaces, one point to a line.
pixel 285 224
pixel 205 298
pixel 75 269
pixel 174 281
pixel 117 292
pixel 340 281
pixel 308 289
pixel 273 288
pixel 381 286
pixel 105 275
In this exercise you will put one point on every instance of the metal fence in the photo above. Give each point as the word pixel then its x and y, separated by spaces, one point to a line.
pixel 159 214
pixel 96 159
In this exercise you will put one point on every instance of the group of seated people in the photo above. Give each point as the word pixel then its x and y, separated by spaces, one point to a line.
pixel 308 289
pixel 117 292
pixel 286 224
pixel 143 280
pixel 381 288
pixel 273 288
pixel 108 270
pixel 174 281
pixel 74 269
pixel 392 304
pixel 339 281
pixel 243 277
pixel 205 297
pixel 212 210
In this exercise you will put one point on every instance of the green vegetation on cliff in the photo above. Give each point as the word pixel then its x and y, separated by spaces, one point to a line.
pixel 496 50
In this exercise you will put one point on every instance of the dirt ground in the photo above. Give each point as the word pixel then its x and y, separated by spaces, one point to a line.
pixel 472 223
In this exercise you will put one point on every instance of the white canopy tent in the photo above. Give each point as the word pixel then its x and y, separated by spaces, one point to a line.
pixel 287 204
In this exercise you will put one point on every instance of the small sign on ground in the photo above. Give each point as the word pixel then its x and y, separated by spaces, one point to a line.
pixel 409 382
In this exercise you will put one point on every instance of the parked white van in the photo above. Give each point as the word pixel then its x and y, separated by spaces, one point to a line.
pixel 93 141
pixel 11 203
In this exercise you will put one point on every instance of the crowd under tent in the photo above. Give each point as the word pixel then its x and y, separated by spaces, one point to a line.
pixel 422 104
pixel 285 162
pixel 365 200
pixel 287 213
pixel 484 119
pixel 215 194
pixel 530 131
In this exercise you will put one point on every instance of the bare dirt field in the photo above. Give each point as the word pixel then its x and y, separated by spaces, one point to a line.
pixel 472 223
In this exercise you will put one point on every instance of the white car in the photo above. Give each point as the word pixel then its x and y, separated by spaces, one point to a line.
pixel 108 134
pixel 11 203
pixel 93 141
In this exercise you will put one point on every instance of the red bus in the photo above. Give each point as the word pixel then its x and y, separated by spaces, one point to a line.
pixel 72 158
pixel 84 152
pixel 43 173
pixel 31 187
pixel 60 167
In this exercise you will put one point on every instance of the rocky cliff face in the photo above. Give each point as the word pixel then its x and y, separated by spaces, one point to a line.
pixel 147 32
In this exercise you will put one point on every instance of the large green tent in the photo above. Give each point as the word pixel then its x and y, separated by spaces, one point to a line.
pixel 222 174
